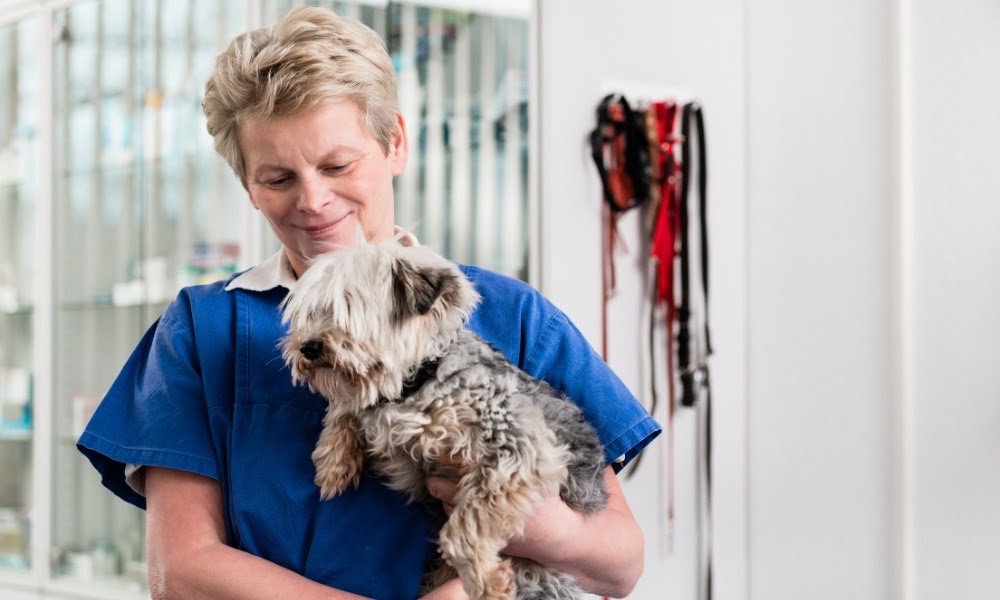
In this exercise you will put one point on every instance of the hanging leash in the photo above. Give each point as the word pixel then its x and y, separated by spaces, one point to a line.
pixel 620 153
pixel 618 148
pixel 649 156
pixel 695 379
pixel 664 139
pixel 664 240
pixel 691 112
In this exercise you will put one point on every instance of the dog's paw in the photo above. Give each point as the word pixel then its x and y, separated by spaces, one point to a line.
pixel 500 583
pixel 334 473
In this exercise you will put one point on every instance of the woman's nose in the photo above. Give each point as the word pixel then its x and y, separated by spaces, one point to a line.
pixel 314 194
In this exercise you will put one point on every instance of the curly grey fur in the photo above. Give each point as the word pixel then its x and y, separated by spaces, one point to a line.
pixel 370 318
pixel 504 397
pixel 535 582
pixel 463 363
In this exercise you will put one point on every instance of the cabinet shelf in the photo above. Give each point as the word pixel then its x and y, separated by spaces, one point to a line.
pixel 23 310
pixel 15 435
pixel 109 588
pixel 89 305
pixel 21 581
pixel 6 186
pixel 147 164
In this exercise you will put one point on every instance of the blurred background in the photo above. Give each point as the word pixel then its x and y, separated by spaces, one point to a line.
pixel 852 232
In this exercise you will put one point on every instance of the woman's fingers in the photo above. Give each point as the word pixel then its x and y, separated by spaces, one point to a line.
pixel 442 489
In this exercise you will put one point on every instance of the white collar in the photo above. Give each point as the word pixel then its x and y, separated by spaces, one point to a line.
pixel 277 270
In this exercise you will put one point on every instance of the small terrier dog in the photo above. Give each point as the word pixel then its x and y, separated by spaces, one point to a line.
pixel 379 331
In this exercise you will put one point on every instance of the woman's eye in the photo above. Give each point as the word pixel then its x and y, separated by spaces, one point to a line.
pixel 279 181
pixel 338 168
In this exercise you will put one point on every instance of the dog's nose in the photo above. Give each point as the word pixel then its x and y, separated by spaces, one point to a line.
pixel 311 349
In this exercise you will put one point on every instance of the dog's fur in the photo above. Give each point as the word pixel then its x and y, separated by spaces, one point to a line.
pixel 363 324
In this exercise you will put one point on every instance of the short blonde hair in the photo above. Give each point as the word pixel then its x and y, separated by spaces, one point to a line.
pixel 311 56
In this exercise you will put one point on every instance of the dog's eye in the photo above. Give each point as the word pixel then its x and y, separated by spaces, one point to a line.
pixel 311 349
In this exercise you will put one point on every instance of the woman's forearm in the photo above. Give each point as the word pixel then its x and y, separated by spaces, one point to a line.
pixel 220 572
pixel 604 552
pixel 605 555
pixel 188 557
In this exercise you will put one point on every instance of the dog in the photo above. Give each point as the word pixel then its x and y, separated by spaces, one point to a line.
pixel 379 330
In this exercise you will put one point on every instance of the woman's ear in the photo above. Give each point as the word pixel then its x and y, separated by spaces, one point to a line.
pixel 399 149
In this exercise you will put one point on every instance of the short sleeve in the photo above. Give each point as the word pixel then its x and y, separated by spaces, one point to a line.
pixel 155 412
pixel 563 357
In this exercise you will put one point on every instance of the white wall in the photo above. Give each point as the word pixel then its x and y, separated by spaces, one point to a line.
pixel 955 91
pixel 854 211
pixel 821 410
pixel 674 43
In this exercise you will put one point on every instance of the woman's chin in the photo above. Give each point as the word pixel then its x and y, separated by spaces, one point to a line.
pixel 345 234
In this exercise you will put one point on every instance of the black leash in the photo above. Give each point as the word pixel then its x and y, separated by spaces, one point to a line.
pixel 694 371
pixel 692 112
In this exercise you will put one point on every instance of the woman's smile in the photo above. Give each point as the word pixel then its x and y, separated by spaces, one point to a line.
pixel 323 229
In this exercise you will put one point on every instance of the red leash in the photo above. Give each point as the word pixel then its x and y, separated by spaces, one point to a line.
pixel 664 251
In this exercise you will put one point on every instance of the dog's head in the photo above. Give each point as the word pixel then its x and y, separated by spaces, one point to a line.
pixel 362 319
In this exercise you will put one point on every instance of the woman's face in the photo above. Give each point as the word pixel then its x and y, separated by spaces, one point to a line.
pixel 318 175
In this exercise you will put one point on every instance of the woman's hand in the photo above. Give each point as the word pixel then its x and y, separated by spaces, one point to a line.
pixel 603 551
pixel 452 590
pixel 547 531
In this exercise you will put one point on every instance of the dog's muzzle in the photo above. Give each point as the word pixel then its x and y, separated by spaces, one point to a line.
pixel 312 349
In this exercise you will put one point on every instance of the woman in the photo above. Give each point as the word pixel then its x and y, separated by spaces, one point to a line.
pixel 203 427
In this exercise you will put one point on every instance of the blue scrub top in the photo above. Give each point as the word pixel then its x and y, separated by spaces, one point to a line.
pixel 206 391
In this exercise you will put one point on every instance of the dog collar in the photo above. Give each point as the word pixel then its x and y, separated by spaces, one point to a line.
pixel 423 374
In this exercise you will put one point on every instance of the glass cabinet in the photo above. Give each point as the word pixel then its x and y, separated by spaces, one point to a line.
pixel 462 79
pixel 18 122
pixel 142 207
pixel 138 205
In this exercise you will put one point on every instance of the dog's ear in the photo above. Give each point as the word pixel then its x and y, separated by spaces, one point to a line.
pixel 416 289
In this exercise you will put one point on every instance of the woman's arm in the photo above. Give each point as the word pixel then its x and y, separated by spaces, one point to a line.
pixel 187 552
pixel 604 552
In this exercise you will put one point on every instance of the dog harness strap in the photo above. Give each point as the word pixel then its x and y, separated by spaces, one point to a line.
pixel 619 148
pixel 620 153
